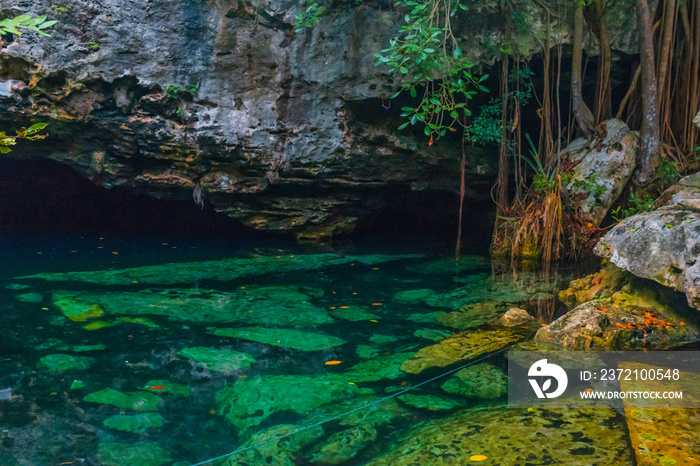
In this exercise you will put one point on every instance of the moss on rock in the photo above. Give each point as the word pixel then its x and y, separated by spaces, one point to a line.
pixel 479 381
pixel 138 423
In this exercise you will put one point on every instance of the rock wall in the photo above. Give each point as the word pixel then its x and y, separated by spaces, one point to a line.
pixel 285 130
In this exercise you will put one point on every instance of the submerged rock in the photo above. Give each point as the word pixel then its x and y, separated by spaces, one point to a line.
pixel 380 368
pixel 511 436
pixel 460 347
pixel 432 334
pixel 220 360
pixel 633 318
pixel 219 270
pixel 353 313
pixel 248 402
pixel 429 402
pixel 516 316
pixel 472 315
pixel 344 445
pixel 274 305
pixel 285 338
pixel 412 296
pixel 382 339
pixel 30 297
pixel 166 386
pixel 270 450
pixel 497 289
pixel 662 245
pixel 602 284
pixel 64 362
pixel 138 423
pixel 368 351
pixel 479 381
pixel 137 401
pixel 132 454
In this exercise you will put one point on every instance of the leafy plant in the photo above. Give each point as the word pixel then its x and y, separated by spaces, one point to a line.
pixel 18 23
pixel 635 205
pixel 30 133
pixel 428 55
pixel 309 17
pixel 545 178
pixel 94 46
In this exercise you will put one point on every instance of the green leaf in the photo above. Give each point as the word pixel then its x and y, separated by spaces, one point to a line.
pixel 426 130
pixel 4 150
pixel 403 126
pixel 413 92
pixel 36 127
pixel 457 52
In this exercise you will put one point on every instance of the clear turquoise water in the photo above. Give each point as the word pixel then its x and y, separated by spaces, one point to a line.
pixel 45 418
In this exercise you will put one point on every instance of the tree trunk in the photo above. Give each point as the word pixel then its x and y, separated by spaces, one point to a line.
pixel 666 38
pixel 603 105
pixel 649 136
pixel 582 114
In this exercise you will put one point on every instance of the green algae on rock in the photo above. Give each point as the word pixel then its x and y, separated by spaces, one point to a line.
pixel 473 315
pixel 265 447
pixel 137 423
pixel 167 387
pixel 136 401
pixel 138 321
pixel 368 351
pixel 353 313
pixel 479 381
pixel 64 362
pixel 218 270
pixel 429 402
pixel 76 310
pixel 132 454
pixel 248 402
pixel 286 338
pixel 460 347
pixel 275 305
pixel 344 445
pixel 512 436
pixel 220 360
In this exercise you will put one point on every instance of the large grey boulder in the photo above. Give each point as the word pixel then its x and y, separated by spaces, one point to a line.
pixel 601 169
pixel 662 245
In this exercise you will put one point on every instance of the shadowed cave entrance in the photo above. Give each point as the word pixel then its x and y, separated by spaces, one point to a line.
pixel 40 197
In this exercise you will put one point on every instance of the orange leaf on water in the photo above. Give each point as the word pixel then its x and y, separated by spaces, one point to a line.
pixel 430 143
pixel 332 363
pixel 158 387
pixel 619 325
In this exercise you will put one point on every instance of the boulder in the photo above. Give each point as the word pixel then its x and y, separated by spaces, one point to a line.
pixel 516 316
pixel 664 244
pixel 628 320
pixel 601 169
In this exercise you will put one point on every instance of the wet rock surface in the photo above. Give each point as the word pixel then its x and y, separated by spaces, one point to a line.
pixel 664 244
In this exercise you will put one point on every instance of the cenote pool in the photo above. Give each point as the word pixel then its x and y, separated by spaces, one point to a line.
pixel 173 353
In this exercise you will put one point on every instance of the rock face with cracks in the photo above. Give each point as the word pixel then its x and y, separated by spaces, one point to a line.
pixel 664 244
pixel 280 129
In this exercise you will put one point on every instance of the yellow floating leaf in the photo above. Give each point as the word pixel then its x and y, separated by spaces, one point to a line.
pixel 332 363
pixel 477 458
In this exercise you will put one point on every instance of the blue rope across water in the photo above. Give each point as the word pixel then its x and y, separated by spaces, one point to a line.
pixel 301 429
